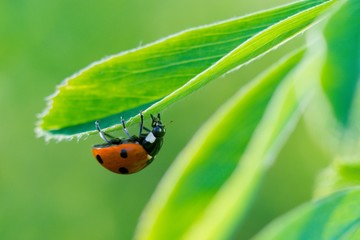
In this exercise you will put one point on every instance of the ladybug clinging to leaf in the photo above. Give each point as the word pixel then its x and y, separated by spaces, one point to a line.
pixel 132 154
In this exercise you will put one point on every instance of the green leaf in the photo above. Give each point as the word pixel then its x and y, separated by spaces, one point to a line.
pixel 341 70
pixel 208 189
pixel 339 175
pixel 334 117
pixel 161 73
pixel 334 217
pixel 336 113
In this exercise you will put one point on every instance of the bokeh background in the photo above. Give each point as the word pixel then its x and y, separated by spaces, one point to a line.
pixel 57 190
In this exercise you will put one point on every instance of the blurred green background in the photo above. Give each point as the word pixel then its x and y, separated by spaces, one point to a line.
pixel 57 190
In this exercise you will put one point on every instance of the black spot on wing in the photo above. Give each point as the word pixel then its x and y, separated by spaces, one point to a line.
pixel 98 157
pixel 123 153
pixel 123 170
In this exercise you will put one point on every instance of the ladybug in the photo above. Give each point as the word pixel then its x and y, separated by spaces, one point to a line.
pixel 132 154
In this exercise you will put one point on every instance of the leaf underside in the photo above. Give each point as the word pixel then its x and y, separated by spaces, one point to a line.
pixel 152 77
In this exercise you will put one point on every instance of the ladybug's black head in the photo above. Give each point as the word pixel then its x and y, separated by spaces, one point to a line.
pixel 158 128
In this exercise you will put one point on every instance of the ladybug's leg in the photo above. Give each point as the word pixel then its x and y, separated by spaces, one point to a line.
pixel 155 119
pixel 141 123
pixel 146 129
pixel 103 135
pixel 124 128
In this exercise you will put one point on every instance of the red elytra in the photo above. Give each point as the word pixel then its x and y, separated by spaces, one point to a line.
pixel 124 158
pixel 132 154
